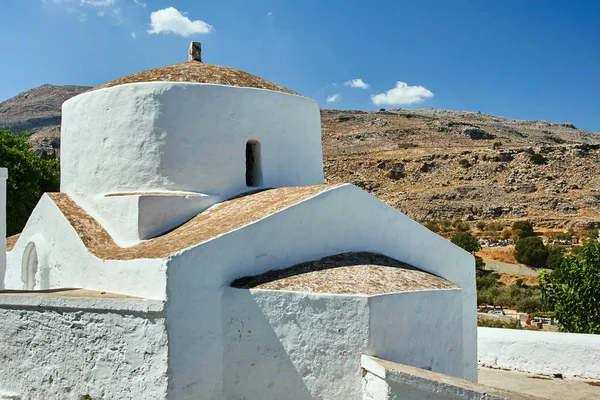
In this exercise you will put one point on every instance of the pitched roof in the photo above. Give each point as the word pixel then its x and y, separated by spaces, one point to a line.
pixel 217 220
pixel 347 273
pixel 198 72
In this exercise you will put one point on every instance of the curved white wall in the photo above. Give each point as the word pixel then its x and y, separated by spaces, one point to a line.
pixel 165 136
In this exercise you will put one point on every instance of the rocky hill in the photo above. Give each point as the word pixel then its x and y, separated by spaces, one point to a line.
pixel 430 164
pixel 435 164
pixel 38 111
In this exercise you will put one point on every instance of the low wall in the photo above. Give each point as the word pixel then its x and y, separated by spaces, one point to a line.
pixel 569 354
pixel 78 348
pixel 385 380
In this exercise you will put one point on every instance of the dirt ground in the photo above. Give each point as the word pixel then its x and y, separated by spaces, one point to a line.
pixel 543 387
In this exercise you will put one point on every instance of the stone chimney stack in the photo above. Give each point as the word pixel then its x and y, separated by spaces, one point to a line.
pixel 195 52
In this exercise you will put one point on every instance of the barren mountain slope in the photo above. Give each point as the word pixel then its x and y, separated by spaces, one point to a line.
pixel 38 111
pixel 435 164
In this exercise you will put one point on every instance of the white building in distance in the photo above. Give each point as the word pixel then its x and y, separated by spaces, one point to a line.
pixel 195 253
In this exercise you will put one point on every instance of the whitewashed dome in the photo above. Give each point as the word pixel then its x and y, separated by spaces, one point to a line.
pixel 190 128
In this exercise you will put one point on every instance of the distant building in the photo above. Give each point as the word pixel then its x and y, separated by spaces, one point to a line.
pixel 195 253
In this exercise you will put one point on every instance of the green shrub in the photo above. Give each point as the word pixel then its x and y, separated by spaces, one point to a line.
pixel 466 241
pixel 574 294
pixel 463 162
pixel 555 256
pixel 538 159
pixel 480 225
pixel 522 229
pixel 503 323
pixel 432 225
pixel 531 251
pixel 29 177
pixel 496 145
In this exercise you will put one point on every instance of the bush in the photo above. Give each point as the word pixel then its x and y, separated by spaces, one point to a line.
pixel 555 256
pixel 494 226
pixel 506 233
pixel 463 162
pixel 480 225
pixel 496 145
pixel 538 159
pixel 499 323
pixel 432 226
pixel 531 251
pixel 466 241
pixel 573 293
pixel 28 178
pixel 522 229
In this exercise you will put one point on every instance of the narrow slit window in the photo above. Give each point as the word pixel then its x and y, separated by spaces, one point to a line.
pixel 253 167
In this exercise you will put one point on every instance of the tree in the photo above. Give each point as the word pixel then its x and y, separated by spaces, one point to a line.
pixel 531 251
pixel 466 241
pixel 574 292
pixel 28 178
pixel 555 256
pixel 522 229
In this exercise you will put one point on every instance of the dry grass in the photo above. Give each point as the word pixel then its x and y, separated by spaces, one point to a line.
pixel 347 273
pixel 511 279
pixel 215 221
pixel 502 254
pixel 198 72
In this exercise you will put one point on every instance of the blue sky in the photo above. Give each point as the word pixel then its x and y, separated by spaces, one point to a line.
pixel 518 59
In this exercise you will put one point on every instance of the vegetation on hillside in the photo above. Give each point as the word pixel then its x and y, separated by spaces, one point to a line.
pixel 573 290
pixel 29 176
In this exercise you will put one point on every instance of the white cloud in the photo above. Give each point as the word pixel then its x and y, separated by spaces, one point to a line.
pixel 270 14
pixel 334 98
pixel 97 3
pixel 402 94
pixel 140 3
pixel 357 83
pixel 170 20
pixel 133 35
pixel 101 13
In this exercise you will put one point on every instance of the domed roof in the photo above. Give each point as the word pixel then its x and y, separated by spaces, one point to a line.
pixel 195 71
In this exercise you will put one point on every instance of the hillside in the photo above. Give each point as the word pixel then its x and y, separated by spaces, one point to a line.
pixel 435 164
pixel 38 111
pixel 430 164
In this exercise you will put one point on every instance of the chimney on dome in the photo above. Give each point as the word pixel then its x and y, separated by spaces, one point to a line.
pixel 195 52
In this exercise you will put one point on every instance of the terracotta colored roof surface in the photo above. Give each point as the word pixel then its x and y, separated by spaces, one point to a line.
pixel 67 292
pixel 198 72
pixel 11 241
pixel 347 273
pixel 217 220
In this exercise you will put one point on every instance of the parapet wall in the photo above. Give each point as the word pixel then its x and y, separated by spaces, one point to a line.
pixel 74 348
pixel 385 380
pixel 569 354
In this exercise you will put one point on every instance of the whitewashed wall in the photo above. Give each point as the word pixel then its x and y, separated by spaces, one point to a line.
pixel 385 380
pixel 310 344
pixel 3 177
pixel 64 261
pixel 339 220
pixel 538 352
pixel 191 137
pixel 67 348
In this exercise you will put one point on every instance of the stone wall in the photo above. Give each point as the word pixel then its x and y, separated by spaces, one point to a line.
pixel 82 348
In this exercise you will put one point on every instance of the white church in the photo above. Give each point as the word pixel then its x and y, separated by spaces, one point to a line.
pixel 194 252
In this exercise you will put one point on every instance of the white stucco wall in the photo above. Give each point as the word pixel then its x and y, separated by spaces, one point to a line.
pixel 569 354
pixel 67 348
pixel 385 380
pixel 3 177
pixel 339 220
pixel 166 136
pixel 310 344
pixel 64 261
